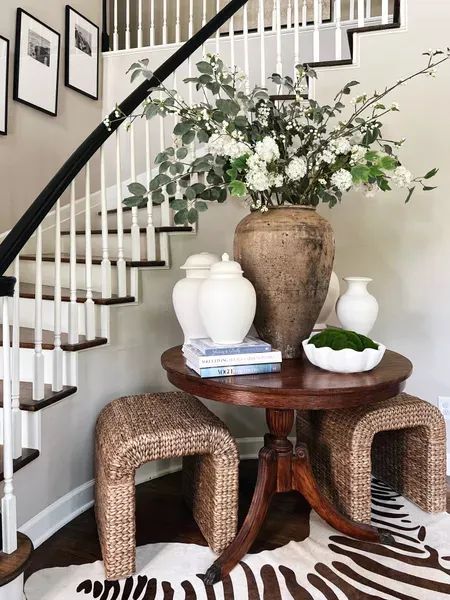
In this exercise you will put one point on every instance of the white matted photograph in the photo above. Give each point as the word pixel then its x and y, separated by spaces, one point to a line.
pixel 36 64
pixel 82 54
pixel 4 71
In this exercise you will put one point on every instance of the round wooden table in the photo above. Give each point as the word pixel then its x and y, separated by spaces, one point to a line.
pixel 282 468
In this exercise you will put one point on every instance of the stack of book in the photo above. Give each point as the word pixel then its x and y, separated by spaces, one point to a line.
pixel 251 357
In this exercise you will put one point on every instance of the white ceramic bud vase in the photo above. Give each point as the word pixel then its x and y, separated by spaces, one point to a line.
pixel 185 294
pixel 357 309
pixel 227 303
pixel 329 304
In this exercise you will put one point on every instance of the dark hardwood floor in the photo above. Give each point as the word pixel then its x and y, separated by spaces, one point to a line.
pixel 162 517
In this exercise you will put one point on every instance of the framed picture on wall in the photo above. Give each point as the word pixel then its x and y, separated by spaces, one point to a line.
pixel 36 64
pixel 82 54
pixel 4 71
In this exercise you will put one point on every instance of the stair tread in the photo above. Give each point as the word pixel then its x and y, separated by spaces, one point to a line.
pixel 26 401
pixel 13 565
pixel 26 336
pixel 28 455
pixel 127 230
pixel 96 260
pixel 28 290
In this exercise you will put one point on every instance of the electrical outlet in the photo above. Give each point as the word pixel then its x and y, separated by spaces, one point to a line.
pixel 444 406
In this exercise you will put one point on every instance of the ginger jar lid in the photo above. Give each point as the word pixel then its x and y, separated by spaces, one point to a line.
pixel 226 268
pixel 203 260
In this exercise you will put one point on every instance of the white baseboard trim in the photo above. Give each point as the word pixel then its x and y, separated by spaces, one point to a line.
pixel 51 519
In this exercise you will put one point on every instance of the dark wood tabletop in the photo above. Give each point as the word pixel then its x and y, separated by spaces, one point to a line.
pixel 299 385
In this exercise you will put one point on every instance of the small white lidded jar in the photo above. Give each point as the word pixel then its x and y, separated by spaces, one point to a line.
pixel 227 303
pixel 185 294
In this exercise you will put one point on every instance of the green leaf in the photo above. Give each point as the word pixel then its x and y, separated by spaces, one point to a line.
pixel 182 127
pixel 157 198
pixel 431 173
pixel 241 122
pixel 135 75
pixel 427 188
pixel 202 136
pixel 198 188
pixel 228 107
pixel 388 163
pixel 133 201
pixel 410 193
pixel 360 173
pixel 188 137
pixel 238 188
pixel 182 153
pixel 164 166
pixel 178 204
pixel 151 110
pixel 171 188
pixel 190 193
pixel 181 217
pixel 160 157
pixel 137 189
pixel 176 169
pixel 193 216
pixel 201 206
pixel 204 67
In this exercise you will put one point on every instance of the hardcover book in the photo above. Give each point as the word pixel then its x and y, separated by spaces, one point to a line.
pixel 251 344
pixel 236 370
pixel 199 360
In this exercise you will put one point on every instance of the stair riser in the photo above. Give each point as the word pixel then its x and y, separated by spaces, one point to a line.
pixel 127 215
pixel 27 308
pixel 28 275
pixel 96 241
pixel 26 364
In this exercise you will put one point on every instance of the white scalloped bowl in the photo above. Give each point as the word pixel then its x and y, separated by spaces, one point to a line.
pixel 344 361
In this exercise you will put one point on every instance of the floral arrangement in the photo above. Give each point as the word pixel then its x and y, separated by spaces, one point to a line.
pixel 244 143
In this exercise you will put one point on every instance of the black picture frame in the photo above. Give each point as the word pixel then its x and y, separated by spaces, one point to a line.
pixel 5 83
pixel 17 63
pixel 68 49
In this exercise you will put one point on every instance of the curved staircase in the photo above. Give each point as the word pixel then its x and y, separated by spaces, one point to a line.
pixel 78 260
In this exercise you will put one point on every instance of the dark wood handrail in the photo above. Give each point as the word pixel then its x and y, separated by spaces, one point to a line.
pixel 36 213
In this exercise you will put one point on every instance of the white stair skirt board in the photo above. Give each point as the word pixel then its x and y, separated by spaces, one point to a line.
pixel 13 590
pixel 49 521
pixel 30 427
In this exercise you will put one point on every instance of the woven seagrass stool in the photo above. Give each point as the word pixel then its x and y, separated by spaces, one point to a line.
pixel 137 429
pixel 401 441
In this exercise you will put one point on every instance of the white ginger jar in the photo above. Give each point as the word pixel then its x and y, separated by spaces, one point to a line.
pixel 357 309
pixel 227 303
pixel 185 294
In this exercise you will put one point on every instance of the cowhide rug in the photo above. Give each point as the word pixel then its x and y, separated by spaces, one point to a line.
pixel 325 566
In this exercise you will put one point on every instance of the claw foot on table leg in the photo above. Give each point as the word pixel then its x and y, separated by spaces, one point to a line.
pixel 213 575
pixel 385 537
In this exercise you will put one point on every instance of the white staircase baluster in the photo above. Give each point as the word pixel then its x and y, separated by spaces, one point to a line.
pixel 274 15
pixel 38 371
pixel 135 230
pixel 121 265
pixel 152 22
pixel 150 232
pixel 351 13
pixel 316 33
pixel 73 308
pixel 360 13
pixel 384 11
pixel 296 35
pixel 8 504
pixel 368 9
pixel 127 26
pixel 140 31
pixel 204 13
pixel 338 30
pixel 164 23
pixel 289 15
pixel 218 31
pixel 115 26
pixel 57 379
pixel 89 304
pixel 304 14
pixel 232 48
pixel 191 19
pixel 320 12
pixel 15 366
pixel 246 56
pixel 178 24
pixel 262 40
pixel 279 67
pixel 106 263
pixel 165 207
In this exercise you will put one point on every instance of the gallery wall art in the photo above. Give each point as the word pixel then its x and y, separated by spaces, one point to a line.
pixel 4 73
pixel 81 54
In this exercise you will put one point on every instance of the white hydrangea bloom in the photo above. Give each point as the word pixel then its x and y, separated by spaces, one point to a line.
pixel 267 149
pixel 402 177
pixel 225 145
pixel 342 179
pixel 358 154
pixel 296 169
pixel 370 189
pixel 341 145
pixel 276 180
pixel 257 180
pixel 327 156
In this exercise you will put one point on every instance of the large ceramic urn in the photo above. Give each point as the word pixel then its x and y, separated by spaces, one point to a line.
pixel 287 253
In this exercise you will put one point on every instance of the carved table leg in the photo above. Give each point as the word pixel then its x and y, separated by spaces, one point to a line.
pixel 305 483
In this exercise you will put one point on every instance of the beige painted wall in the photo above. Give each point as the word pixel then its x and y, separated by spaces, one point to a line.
pixel 405 249
pixel 38 144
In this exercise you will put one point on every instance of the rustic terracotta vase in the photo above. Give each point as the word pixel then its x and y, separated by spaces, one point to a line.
pixel 287 253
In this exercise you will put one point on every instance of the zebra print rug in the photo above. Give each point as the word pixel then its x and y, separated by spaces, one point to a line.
pixel 325 566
